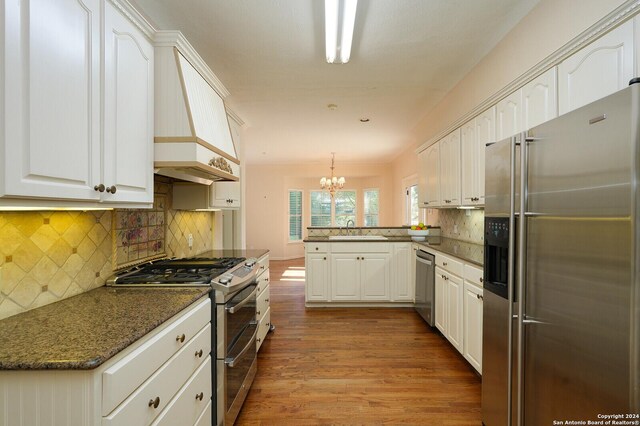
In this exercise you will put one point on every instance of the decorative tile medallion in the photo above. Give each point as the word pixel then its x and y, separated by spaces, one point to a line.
pixel 139 235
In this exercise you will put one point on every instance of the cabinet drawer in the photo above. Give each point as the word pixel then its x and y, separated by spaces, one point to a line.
pixel 163 384
pixel 367 247
pixel 263 281
pixel 262 303
pixel 205 417
pixel 263 328
pixel 473 274
pixel 120 380
pixel 449 264
pixel 263 264
pixel 187 406
pixel 317 247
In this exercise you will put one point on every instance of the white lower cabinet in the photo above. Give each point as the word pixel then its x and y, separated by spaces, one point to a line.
pixel 473 324
pixel 163 377
pixel 263 305
pixel 358 272
pixel 449 305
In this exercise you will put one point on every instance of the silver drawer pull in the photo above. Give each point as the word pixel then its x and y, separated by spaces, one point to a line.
pixel 154 402
pixel 180 338
pixel 199 353
pixel 199 396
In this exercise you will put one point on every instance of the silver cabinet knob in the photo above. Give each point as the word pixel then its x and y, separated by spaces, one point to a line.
pixel 154 402
pixel 112 189
pixel 99 188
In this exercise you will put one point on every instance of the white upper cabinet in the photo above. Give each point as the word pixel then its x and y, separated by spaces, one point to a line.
pixel 509 115
pixel 60 94
pixel 540 100
pixel 468 163
pixel 450 169
pixel 600 69
pixel 128 101
pixel 429 183
pixel 51 94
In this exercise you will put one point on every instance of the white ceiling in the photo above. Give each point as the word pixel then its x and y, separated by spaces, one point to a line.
pixel 407 55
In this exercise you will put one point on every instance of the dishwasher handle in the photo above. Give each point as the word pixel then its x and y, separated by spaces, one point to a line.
pixel 425 261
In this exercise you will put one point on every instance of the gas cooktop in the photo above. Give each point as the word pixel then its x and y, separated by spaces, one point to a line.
pixel 194 271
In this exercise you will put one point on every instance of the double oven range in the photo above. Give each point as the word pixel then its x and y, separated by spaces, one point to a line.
pixel 233 289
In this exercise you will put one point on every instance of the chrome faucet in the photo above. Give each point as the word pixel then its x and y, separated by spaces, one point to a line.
pixel 352 224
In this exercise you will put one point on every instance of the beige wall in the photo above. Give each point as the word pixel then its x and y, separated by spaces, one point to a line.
pixel 548 27
pixel 267 199
pixel 48 256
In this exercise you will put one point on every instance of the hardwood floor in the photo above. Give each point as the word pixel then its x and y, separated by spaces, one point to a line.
pixel 355 366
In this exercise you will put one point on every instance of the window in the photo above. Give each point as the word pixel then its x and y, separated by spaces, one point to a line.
pixel 295 215
pixel 413 211
pixel 345 207
pixel 332 212
pixel 320 208
pixel 371 207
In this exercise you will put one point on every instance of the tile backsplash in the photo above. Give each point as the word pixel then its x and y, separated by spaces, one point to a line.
pixel 48 256
pixel 469 228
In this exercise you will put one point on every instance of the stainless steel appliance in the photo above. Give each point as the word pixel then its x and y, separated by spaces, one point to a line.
pixel 233 287
pixel 561 336
pixel 425 286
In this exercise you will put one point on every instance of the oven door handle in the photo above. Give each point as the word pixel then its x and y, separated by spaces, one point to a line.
pixel 234 308
pixel 231 362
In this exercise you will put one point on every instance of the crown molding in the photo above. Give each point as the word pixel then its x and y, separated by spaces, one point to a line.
pixel 134 16
pixel 235 117
pixel 617 17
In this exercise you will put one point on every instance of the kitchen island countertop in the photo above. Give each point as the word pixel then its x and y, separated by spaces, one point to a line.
pixel 82 332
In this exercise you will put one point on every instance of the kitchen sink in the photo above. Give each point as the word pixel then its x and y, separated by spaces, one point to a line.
pixel 357 237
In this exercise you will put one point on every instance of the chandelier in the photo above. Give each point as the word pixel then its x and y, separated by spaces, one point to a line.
pixel 333 183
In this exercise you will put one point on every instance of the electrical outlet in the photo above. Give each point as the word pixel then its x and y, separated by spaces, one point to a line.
pixel 190 240
pixel 455 228
pixel 467 212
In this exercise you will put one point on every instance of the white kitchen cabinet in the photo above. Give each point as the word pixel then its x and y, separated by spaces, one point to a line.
pixel 450 169
pixel 540 100
pixel 356 277
pixel 226 195
pixel 317 277
pixel 599 69
pixel 423 178
pixel 118 392
pixel 441 302
pixel 128 110
pixel 263 300
pixel 474 136
pixel 454 310
pixel 51 92
pixel 345 277
pixel 64 94
pixel 403 272
pixel 509 116
pixel 473 306
pixel 374 276
pixel 430 170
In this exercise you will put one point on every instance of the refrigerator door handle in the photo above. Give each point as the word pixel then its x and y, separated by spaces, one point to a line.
pixel 530 321
pixel 510 270
pixel 522 244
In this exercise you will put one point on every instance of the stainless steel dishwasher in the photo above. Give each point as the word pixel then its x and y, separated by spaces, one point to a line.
pixel 425 286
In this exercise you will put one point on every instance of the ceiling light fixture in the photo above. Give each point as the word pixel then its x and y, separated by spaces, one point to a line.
pixel 339 21
pixel 333 183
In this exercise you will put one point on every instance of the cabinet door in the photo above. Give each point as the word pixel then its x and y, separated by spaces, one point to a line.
pixel 423 178
pixel 450 169
pixel 403 282
pixel 128 101
pixel 473 325
pixel 454 312
pixel 374 276
pixel 317 276
pixel 432 165
pixel 51 133
pixel 441 301
pixel 345 277
pixel 600 69
pixel 485 133
pixel 509 115
pixel 468 162
pixel 540 100
pixel 226 194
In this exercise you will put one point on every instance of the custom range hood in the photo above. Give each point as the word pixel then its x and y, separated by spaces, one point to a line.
pixel 192 137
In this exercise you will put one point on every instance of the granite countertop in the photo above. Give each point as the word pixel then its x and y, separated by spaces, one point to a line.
pixel 469 252
pixel 82 332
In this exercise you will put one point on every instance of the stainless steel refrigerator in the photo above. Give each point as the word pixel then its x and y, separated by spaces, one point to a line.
pixel 562 298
